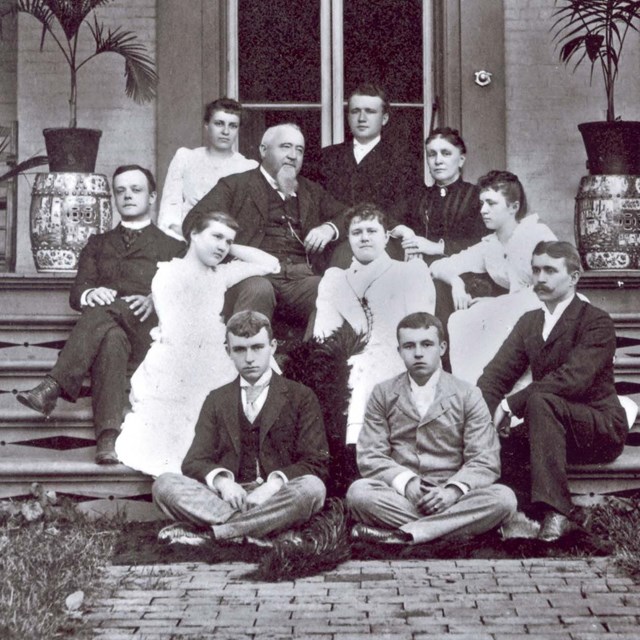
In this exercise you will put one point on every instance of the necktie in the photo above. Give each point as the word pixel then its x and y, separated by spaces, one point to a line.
pixel 129 236
pixel 252 394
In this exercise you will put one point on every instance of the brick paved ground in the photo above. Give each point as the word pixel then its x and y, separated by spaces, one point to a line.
pixel 400 600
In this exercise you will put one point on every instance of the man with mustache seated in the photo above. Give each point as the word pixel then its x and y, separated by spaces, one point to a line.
pixel 571 411
pixel 286 215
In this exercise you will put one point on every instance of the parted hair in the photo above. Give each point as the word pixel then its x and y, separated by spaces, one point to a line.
pixel 197 221
pixel 560 249
pixel 452 136
pixel 151 181
pixel 246 324
pixel 222 104
pixel 365 211
pixel 420 320
pixel 509 185
pixel 373 90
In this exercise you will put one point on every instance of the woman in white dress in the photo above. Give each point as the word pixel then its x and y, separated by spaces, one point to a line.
pixel 187 358
pixel 480 325
pixel 372 296
pixel 194 172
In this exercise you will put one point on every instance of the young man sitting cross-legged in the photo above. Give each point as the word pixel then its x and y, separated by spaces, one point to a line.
pixel 259 455
pixel 428 452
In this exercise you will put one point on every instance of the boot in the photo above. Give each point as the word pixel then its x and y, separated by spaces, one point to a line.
pixel 106 447
pixel 42 398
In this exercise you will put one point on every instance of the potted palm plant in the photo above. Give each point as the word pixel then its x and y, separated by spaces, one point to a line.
pixel 74 148
pixel 595 32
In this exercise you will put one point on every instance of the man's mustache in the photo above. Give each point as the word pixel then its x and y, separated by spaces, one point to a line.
pixel 541 288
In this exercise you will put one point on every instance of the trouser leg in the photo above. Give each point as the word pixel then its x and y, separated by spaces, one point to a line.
pixel 85 340
pixel 187 500
pixel 254 294
pixel 376 503
pixel 297 289
pixel 561 431
pixel 109 380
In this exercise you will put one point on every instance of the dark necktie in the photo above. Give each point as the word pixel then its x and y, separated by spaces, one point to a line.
pixel 129 236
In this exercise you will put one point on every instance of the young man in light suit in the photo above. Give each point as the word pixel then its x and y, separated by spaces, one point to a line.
pixel 428 452
pixel 259 455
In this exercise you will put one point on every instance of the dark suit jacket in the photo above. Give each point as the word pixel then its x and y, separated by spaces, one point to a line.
pixel 106 262
pixel 292 435
pixel 574 363
pixel 245 196
pixel 385 176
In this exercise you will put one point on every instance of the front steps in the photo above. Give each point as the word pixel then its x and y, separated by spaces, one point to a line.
pixel 59 453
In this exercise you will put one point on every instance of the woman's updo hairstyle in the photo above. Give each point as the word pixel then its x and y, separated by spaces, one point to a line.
pixel 509 186
pixel 452 136
pixel 197 221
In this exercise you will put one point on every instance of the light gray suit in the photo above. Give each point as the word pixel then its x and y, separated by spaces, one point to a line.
pixel 454 442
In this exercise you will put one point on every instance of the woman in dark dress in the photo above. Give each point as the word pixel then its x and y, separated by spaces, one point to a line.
pixel 448 218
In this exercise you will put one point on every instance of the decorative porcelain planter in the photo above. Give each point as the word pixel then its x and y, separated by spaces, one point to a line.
pixel 67 208
pixel 607 221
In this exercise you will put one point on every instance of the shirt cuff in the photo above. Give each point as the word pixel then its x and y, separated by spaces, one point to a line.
pixel 83 297
pixel 335 231
pixel 278 474
pixel 400 482
pixel 505 406
pixel 212 475
pixel 461 485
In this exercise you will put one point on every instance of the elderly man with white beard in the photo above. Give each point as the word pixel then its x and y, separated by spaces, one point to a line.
pixel 286 215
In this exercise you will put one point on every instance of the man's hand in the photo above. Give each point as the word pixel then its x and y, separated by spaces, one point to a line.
pixel 318 238
pixel 502 422
pixel 461 299
pixel 101 296
pixel 264 491
pixel 231 492
pixel 413 491
pixel 438 499
pixel 142 306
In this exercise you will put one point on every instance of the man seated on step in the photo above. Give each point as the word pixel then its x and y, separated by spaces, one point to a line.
pixel 259 455
pixel 112 289
pixel 428 452
pixel 571 411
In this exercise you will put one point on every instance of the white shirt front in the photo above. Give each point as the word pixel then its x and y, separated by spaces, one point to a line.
pixel 252 409
pixel 361 150
pixel 551 319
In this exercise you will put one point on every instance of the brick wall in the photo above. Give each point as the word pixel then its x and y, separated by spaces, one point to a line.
pixel 546 102
pixel 128 129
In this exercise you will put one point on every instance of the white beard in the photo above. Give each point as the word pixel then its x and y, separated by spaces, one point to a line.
pixel 286 179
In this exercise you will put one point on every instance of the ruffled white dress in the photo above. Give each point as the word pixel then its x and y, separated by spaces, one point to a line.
pixel 392 290
pixel 476 333
pixel 186 360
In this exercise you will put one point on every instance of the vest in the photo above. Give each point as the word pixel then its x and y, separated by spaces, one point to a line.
pixel 282 217
pixel 249 447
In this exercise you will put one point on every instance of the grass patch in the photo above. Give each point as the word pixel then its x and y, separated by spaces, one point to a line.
pixel 44 561
pixel 618 520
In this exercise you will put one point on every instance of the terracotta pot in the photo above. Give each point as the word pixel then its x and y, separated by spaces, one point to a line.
pixel 607 222
pixel 67 208
pixel 72 150
pixel 613 148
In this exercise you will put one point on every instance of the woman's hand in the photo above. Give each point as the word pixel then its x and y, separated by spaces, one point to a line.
pixel 418 244
pixel 461 299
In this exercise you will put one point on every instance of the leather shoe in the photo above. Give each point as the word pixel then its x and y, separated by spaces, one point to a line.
pixel 365 533
pixel 106 447
pixel 554 526
pixel 42 398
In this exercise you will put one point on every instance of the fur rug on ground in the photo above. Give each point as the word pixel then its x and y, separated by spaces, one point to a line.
pixel 324 543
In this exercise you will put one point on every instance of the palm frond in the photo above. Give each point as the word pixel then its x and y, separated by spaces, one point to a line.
pixel 141 79
pixel 72 13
